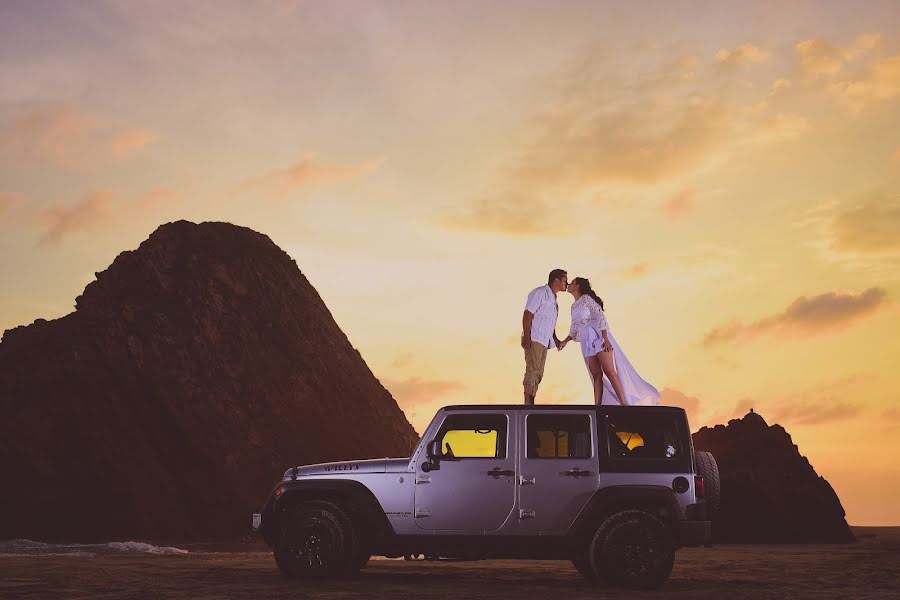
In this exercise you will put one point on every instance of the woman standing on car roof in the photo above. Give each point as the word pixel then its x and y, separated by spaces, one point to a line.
pixel 602 354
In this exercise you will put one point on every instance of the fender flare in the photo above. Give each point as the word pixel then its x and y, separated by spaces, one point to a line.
pixel 352 496
pixel 659 501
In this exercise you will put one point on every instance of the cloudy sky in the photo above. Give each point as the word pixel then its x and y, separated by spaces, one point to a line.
pixel 726 174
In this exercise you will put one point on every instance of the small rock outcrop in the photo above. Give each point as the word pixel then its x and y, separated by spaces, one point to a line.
pixel 770 493
pixel 193 371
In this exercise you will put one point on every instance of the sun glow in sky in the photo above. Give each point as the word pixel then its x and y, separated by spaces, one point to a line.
pixel 727 175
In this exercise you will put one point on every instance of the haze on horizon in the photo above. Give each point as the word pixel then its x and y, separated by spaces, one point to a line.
pixel 726 174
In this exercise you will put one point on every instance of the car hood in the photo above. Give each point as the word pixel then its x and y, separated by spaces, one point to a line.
pixel 374 465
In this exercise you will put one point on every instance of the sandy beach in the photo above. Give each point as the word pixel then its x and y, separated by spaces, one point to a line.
pixel 867 569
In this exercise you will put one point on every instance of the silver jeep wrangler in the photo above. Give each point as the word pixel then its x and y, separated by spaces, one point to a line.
pixel 614 489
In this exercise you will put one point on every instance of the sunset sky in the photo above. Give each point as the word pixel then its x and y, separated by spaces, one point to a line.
pixel 727 175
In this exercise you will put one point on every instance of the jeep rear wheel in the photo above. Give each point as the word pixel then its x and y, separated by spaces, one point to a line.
pixel 317 540
pixel 633 549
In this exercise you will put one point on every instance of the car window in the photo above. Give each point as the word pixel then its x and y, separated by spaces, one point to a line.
pixel 653 436
pixel 558 436
pixel 473 436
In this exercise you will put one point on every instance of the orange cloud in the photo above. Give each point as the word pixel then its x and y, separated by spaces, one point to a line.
pixel 781 126
pixel 804 317
pixel 305 172
pixel 741 56
pixel 521 216
pixel 415 390
pixel 151 202
pixel 821 403
pixel 814 412
pixel 128 142
pixel 872 81
pixel 870 228
pixel 66 137
pixel 880 81
pixel 679 205
pixel 637 270
pixel 97 209
pixel 818 57
pixel 93 208
pixel 10 202
pixel 402 360
pixel 58 135
pixel 691 404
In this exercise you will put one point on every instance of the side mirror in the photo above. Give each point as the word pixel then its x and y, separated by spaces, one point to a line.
pixel 433 453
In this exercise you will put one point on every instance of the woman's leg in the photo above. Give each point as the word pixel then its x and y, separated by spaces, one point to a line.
pixel 597 375
pixel 606 361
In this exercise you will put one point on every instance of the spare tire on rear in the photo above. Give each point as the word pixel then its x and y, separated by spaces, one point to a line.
pixel 708 469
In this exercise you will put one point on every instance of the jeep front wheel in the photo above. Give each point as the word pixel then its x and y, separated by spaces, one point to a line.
pixel 317 540
pixel 633 549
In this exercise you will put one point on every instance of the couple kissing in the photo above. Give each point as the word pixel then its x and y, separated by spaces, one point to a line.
pixel 613 379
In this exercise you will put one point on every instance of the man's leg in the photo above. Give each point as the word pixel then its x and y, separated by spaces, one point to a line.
pixel 540 359
pixel 529 383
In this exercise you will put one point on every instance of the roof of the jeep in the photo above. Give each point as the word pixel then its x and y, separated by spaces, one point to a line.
pixel 605 407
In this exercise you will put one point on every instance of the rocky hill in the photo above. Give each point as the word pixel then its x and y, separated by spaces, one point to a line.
pixel 770 493
pixel 193 371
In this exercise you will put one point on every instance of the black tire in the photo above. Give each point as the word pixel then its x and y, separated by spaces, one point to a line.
pixel 317 540
pixel 633 549
pixel 708 469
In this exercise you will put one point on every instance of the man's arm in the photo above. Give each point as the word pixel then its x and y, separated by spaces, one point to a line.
pixel 527 318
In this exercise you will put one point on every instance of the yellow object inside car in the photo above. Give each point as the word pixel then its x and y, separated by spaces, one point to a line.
pixel 469 443
pixel 553 444
pixel 631 440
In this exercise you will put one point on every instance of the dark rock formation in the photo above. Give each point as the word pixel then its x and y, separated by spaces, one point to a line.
pixel 193 371
pixel 770 493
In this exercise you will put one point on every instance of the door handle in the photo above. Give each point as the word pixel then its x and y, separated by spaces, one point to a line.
pixel 498 472
pixel 575 472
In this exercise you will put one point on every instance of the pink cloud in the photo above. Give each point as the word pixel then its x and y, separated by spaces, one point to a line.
pixel 57 135
pixel 307 172
pixel 93 209
pixel 131 141
pixel 637 270
pixel 804 317
pixel 691 404
pixel 10 202
pixel 97 209
pixel 417 391
pixel 67 137
pixel 868 228
pixel 680 205
pixel 741 56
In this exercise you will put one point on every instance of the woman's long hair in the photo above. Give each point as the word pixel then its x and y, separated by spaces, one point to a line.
pixel 584 286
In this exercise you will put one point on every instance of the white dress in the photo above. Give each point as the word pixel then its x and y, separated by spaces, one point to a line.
pixel 588 321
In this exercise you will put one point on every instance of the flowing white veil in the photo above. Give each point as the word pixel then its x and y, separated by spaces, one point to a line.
pixel 637 391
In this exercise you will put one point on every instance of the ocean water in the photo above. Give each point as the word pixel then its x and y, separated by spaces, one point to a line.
pixel 10 548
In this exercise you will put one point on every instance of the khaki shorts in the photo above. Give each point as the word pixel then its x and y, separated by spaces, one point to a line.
pixel 535 357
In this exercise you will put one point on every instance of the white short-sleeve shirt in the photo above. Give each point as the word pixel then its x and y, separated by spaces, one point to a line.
pixel 542 304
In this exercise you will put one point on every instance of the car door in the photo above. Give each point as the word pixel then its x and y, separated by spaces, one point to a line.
pixel 473 489
pixel 559 468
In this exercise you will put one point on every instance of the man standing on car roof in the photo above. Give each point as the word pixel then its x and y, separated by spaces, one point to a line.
pixel 539 329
